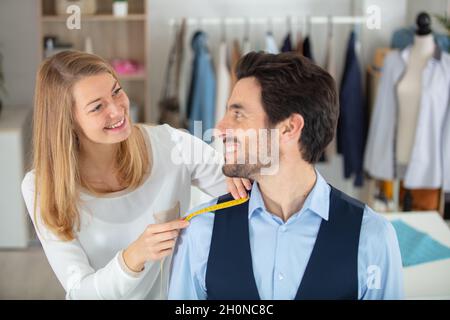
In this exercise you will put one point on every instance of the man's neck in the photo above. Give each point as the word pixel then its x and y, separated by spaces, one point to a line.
pixel 285 193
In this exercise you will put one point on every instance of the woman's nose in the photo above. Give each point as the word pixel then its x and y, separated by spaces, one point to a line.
pixel 114 110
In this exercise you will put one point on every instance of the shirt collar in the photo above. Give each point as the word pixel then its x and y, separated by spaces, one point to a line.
pixel 318 200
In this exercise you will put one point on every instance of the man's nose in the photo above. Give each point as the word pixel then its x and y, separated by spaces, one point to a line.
pixel 221 127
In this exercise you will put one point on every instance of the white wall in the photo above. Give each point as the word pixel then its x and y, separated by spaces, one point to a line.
pixel 19 45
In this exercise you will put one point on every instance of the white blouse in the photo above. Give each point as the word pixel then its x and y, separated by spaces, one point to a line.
pixel 91 265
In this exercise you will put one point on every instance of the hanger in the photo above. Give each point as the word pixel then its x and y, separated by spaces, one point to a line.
pixel 223 30
pixel 299 26
pixel 308 26
pixel 289 24
pixel 247 29
pixel 330 26
pixel 269 26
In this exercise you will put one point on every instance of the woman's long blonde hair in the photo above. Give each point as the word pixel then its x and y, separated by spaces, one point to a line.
pixel 56 147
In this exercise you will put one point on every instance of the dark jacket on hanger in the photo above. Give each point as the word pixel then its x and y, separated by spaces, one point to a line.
pixel 352 124
pixel 287 43
pixel 307 49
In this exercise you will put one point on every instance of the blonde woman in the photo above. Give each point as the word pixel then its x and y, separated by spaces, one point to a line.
pixel 109 193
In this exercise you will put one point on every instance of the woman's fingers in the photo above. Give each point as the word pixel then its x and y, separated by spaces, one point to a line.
pixel 240 187
pixel 232 188
pixel 169 244
pixel 164 236
pixel 164 254
pixel 247 183
pixel 168 226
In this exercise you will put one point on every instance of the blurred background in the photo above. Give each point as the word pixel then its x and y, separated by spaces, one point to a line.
pixel 149 43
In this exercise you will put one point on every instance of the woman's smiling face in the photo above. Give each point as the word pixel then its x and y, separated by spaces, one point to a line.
pixel 101 109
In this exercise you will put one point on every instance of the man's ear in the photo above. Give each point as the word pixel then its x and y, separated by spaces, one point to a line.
pixel 291 128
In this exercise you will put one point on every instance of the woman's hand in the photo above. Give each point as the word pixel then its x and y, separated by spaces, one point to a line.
pixel 238 187
pixel 155 243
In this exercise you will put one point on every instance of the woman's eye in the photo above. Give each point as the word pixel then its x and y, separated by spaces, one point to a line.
pixel 96 108
pixel 117 91
pixel 237 114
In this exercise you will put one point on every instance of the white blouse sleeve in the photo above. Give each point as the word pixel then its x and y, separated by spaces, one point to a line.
pixel 203 162
pixel 71 265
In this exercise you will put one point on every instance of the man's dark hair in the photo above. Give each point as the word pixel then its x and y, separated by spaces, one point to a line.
pixel 291 83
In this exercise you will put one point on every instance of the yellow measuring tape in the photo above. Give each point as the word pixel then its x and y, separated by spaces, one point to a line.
pixel 216 207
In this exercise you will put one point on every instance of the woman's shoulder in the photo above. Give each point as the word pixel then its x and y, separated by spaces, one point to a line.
pixel 167 136
pixel 28 181
pixel 162 130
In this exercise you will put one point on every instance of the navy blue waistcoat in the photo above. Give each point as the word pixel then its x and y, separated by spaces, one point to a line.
pixel 332 270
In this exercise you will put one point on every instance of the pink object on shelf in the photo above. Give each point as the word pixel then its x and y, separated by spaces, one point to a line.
pixel 127 66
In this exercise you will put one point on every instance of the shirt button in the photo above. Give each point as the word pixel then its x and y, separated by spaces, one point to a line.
pixel 280 276
pixel 283 228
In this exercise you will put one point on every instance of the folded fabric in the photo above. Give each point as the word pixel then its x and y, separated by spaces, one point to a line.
pixel 417 247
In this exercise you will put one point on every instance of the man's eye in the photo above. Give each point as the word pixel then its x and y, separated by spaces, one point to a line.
pixel 117 91
pixel 237 114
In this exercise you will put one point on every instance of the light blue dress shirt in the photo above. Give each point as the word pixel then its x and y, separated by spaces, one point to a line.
pixel 280 251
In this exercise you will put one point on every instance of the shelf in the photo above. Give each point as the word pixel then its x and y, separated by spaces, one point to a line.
pixel 96 17
pixel 112 37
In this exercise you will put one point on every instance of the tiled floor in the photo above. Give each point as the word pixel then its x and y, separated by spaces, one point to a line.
pixel 26 274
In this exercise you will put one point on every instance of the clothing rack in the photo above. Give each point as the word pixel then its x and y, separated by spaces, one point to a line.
pixel 290 20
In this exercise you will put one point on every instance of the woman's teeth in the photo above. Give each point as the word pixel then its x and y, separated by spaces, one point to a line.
pixel 117 124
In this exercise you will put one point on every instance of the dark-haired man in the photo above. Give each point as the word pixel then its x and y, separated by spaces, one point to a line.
pixel 297 237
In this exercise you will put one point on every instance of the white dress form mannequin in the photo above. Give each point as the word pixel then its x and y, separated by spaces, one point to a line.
pixel 409 91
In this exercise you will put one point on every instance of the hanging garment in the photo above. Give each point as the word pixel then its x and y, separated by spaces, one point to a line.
pixel 307 49
pixel 299 44
pixel 351 129
pixel 287 44
pixel 330 66
pixel 447 206
pixel 223 82
pixel 235 56
pixel 271 45
pixel 202 95
pixel 169 103
pixel 428 167
pixel 330 62
pixel 308 53
pixel 419 199
pixel 404 37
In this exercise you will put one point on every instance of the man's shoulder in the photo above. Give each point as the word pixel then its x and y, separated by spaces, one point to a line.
pixel 201 225
pixel 377 232
pixel 374 221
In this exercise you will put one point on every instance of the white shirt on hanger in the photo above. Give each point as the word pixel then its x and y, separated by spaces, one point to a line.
pixel 271 45
pixel 430 156
pixel 223 82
